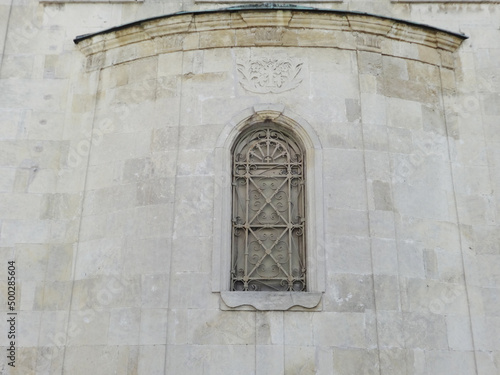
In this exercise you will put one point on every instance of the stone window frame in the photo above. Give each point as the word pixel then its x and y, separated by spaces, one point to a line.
pixel 309 300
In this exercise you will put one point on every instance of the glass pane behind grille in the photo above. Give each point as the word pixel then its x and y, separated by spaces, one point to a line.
pixel 268 247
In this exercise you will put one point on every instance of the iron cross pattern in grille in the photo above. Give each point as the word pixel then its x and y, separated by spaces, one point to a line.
pixel 268 246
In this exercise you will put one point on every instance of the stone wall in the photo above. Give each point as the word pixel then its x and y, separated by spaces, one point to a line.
pixel 114 188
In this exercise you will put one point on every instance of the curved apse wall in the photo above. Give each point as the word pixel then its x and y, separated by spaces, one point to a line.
pixel 162 93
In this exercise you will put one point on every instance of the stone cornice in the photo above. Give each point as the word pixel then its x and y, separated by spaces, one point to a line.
pixel 249 26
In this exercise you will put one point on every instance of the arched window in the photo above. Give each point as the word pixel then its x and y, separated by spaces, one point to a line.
pixel 268 250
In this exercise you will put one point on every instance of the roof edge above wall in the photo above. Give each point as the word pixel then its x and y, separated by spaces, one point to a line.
pixel 267 7
pixel 269 25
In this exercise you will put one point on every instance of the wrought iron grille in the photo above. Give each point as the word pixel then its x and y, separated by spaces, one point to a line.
pixel 268 244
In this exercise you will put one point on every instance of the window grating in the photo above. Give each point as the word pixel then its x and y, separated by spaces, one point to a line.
pixel 268 217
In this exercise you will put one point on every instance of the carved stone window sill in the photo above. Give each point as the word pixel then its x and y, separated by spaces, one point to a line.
pixel 280 301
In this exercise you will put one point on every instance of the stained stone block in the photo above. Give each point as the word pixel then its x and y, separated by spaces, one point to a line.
pixel 269 328
pixel 53 296
pixel 425 331
pixel 387 293
pixel 214 327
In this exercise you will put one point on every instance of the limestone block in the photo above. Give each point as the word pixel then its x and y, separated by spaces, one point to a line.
pixel 267 359
pixel 124 325
pixel 193 196
pixel 434 296
pixel 195 163
pixel 7 177
pixel 387 293
pixel 177 333
pixel 101 360
pixel 113 198
pixel 355 361
pixel 395 360
pixel 404 114
pixel 26 294
pixel 152 221
pixel 211 359
pixel 60 206
pixel 27 333
pixel 433 120
pixel 345 194
pixel 349 293
pixel 269 329
pixel 348 222
pixel 459 362
pixel 53 296
pixel 382 195
pixel 346 163
pixel 99 257
pixel 408 200
pixel 153 326
pixel 191 254
pixel 298 328
pixel 385 256
pixel 168 87
pixel 155 191
pixel 390 331
pixel 24 231
pixel 213 327
pixel 430 233
pixel 217 39
pixel 94 226
pixel 410 259
pixel 299 359
pixel 146 256
pixel 341 135
pixel 53 329
pixel 373 109
pixel 487 362
pixel 459 332
pixel 151 360
pixel 170 64
pixel 190 290
pixel 154 291
pixel 486 330
pixel 425 331
pixel 25 361
pixel 375 137
pixel 93 295
pixel 348 255
pixel 137 170
pixel 31 261
pixel 340 329
pixel 400 140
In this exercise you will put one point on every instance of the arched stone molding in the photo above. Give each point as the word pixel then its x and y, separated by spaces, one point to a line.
pixel 276 25
pixel 315 233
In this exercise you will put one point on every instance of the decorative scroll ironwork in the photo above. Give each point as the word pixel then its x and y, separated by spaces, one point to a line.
pixel 268 244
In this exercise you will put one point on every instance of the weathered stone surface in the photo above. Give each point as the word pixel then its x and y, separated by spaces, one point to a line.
pixel 111 190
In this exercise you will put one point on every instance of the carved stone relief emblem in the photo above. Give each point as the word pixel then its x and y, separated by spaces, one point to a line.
pixel 269 74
